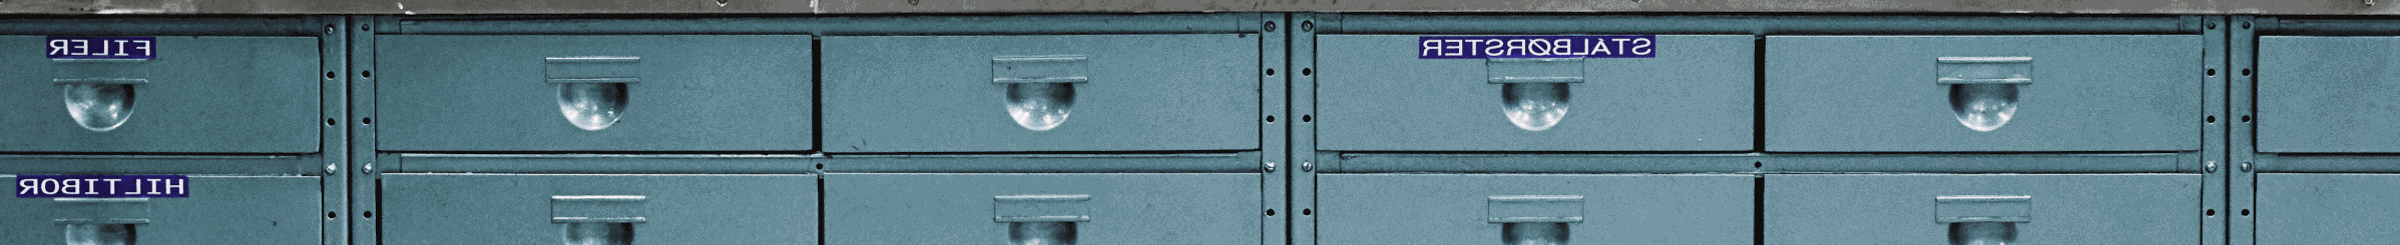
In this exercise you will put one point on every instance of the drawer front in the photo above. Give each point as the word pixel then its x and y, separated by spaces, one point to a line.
pixel 1984 93
pixel 1375 94
pixel 546 209
pixel 1094 208
pixel 2327 208
pixel 594 93
pixel 2328 94
pixel 200 95
pixel 1930 208
pixel 1606 209
pixel 221 210
pixel 1041 93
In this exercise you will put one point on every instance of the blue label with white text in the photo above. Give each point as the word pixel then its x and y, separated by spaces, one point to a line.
pixel 44 186
pixel 134 48
pixel 1499 47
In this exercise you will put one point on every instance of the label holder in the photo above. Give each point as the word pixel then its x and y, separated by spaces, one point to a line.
pixel 1534 209
pixel 1983 208
pixel 1041 208
pixel 597 209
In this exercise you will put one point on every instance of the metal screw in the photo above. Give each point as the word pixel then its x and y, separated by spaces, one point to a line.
pixel 333 168
pixel 1270 26
pixel 2245 166
pixel 369 168
pixel 1308 166
pixel 1270 167
pixel 2212 166
pixel 1308 26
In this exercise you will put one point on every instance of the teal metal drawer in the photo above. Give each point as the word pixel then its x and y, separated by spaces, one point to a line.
pixel 200 95
pixel 1984 93
pixel 221 210
pixel 1375 94
pixel 1507 208
pixel 645 209
pixel 2328 94
pixel 1043 209
pixel 1042 93
pixel 594 93
pixel 2327 208
pixel 1964 208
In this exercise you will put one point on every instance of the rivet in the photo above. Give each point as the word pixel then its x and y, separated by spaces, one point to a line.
pixel 1270 167
pixel 333 168
pixel 369 168
pixel 1308 166
pixel 2212 166
pixel 2245 166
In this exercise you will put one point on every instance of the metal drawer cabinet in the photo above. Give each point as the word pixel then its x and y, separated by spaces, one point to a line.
pixel 1379 93
pixel 1130 208
pixel 1534 209
pixel 1983 208
pixel 1041 93
pixel 2327 208
pixel 1984 93
pixel 192 94
pixel 594 93
pixel 432 208
pixel 219 210
pixel 2328 94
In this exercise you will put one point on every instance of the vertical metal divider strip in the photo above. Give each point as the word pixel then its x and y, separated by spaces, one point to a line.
pixel 2242 184
pixel 816 121
pixel 1304 129
pixel 1274 135
pixel 2212 194
pixel 363 187
pixel 333 46
pixel 1758 138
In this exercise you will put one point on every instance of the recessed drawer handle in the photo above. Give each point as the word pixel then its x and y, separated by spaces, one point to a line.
pixel 100 220
pixel 1534 219
pixel 1983 219
pixel 1534 92
pixel 1040 90
pixel 597 219
pixel 591 89
pixel 1983 90
pixel 101 233
pixel 1041 219
pixel 99 104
